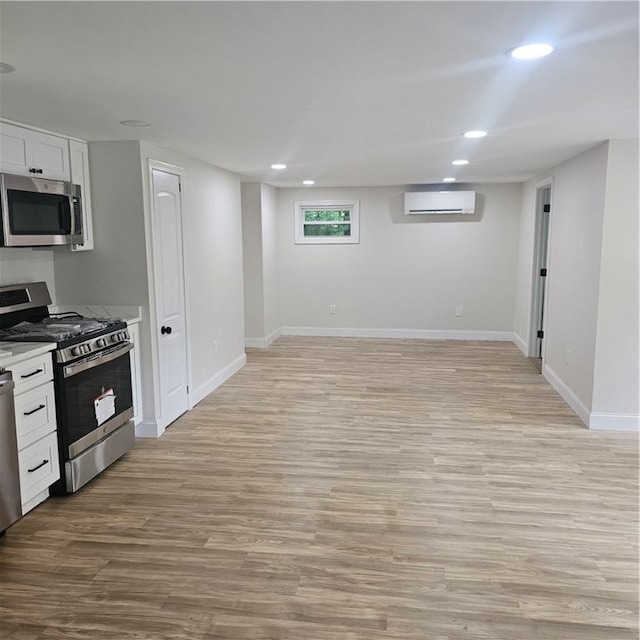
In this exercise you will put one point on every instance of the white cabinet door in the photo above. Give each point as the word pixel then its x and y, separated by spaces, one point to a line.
pixel 79 155
pixel 166 224
pixel 39 469
pixel 33 153
pixel 35 414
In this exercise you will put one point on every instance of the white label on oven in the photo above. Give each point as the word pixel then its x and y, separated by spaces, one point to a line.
pixel 105 406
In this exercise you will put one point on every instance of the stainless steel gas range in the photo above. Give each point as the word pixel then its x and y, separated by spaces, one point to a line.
pixel 92 379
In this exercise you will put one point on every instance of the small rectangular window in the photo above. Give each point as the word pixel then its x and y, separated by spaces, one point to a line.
pixel 327 222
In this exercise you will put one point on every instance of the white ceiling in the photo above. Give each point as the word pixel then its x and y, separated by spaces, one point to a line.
pixel 346 93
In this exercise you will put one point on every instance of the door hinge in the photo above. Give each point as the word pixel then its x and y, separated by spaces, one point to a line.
pixel 540 334
pixel 543 273
pixel 547 208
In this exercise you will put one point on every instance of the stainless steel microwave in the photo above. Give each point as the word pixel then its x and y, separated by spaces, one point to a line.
pixel 37 212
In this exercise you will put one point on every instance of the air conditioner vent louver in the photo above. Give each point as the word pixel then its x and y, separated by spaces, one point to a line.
pixel 439 202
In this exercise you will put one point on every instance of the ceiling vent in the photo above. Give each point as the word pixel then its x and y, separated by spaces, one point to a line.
pixel 439 202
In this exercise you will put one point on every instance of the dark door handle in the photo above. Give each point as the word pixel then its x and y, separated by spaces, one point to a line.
pixel 38 467
pixel 33 373
pixel 165 330
pixel 38 408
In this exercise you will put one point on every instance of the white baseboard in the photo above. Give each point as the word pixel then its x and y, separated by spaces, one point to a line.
pixel 566 393
pixel 212 384
pixel 262 343
pixel 614 421
pixel 520 343
pixel 416 334
pixel 148 429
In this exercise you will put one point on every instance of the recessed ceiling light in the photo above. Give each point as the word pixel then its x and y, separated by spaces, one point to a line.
pixel 476 133
pixel 309 182
pixel 460 162
pixel 6 68
pixel 448 179
pixel 278 166
pixel 531 51
pixel 134 123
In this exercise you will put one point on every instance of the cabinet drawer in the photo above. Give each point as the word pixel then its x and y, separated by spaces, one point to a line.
pixel 33 372
pixel 35 414
pixel 38 467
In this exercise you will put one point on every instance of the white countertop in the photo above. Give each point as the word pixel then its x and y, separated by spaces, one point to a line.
pixel 13 352
pixel 129 313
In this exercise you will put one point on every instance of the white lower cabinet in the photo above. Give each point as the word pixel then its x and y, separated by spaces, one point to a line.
pixel 39 469
pixel 35 407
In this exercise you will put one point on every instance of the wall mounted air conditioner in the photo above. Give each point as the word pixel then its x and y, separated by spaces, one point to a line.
pixel 439 202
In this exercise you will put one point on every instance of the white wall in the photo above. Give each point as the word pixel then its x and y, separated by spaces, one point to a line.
pixel 19 265
pixel 407 273
pixel 575 240
pixel 260 257
pixel 270 260
pixel 592 330
pixel 116 272
pixel 616 382
pixel 254 329
pixel 213 268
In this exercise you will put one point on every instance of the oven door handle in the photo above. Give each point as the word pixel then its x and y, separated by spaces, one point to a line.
pixel 84 365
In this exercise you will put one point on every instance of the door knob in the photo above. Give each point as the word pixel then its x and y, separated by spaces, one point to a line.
pixel 165 330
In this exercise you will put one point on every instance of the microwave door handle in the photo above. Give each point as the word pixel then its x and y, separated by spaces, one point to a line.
pixel 65 219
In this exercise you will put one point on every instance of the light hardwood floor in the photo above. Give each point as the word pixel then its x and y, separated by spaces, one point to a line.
pixel 346 489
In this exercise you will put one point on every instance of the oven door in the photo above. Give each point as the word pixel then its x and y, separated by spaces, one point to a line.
pixel 95 398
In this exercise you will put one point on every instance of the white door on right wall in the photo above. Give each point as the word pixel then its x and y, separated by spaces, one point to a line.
pixel 169 293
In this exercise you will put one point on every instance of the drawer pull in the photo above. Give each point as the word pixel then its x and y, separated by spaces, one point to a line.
pixel 33 373
pixel 38 408
pixel 40 465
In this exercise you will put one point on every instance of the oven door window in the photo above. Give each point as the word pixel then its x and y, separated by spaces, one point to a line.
pixel 94 397
pixel 38 213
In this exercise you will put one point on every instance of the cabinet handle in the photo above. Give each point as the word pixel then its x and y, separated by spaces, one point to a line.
pixel 40 465
pixel 38 408
pixel 33 373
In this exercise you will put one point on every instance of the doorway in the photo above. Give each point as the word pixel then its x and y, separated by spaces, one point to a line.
pixel 541 274
pixel 169 288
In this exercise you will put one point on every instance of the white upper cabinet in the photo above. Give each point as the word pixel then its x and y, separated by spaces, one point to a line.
pixel 79 155
pixel 33 153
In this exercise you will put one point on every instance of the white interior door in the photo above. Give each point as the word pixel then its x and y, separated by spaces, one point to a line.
pixel 169 294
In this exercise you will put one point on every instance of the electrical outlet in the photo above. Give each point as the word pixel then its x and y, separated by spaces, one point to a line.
pixel 459 312
pixel 332 308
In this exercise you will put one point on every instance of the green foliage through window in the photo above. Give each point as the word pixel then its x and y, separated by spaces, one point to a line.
pixel 327 229
pixel 327 222
pixel 327 215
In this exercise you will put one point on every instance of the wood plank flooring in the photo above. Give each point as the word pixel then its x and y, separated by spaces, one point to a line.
pixel 344 489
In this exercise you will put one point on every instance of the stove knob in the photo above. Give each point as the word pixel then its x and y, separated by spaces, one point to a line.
pixel 101 342
pixel 76 351
pixel 87 348
pixel 114 337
